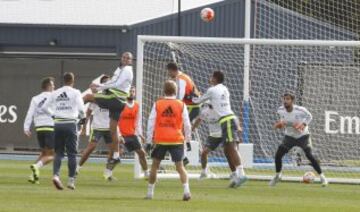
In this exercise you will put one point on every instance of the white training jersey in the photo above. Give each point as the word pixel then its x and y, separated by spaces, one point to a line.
pixel 297 115
pixel 121 80
pixel 100 117
pixel 36 113
pixel 219 97
pixel 66 103
pixel 212 119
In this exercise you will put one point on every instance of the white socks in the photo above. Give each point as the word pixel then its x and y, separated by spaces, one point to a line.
pixel 107 173
pixel 151 188
pixel 240 171
pixel 278 174
pixel 39 164
pixel 116 155
pixel 205 171
pixel 322 176
pixel 186 188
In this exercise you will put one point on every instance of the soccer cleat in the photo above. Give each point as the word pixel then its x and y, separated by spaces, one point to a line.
pixel 203 175
pixel 31 179
pixel 71 183
pixel 324 182
pixel 186 197
pixel 57 183
pixel 77 171
pixel 237 181
pixel 275 180
pixel 147 174
pixel 149 196
pixel 112 163
pixel 110 178
pixel 36 172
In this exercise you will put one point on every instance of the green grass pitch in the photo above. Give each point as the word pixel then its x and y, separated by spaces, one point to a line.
pixel 126 194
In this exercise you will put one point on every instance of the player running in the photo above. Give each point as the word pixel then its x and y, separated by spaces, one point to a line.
pixel 118 87
pixel 186 90
pixel 168 120
pixel 219 97
pixel 130 126
pixel 68 108
pixel 295 120
pixel 99 118
pixel 44 127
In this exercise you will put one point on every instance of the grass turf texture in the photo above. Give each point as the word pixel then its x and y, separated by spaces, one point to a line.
pixel 126 194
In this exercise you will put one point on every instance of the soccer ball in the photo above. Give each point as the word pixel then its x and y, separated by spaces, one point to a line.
pixel 308 177
pixel 207 14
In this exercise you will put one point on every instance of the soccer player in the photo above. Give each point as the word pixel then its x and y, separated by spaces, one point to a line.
pixel 295 120
pixel 100 120
pixel 219 97
pixel 168 120
pixel 44 127
pixel 68 108
pixel 214 139
pixel 186 90
pixel 118 87
pixel 130 126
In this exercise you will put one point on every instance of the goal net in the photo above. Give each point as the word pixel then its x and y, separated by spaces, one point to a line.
pixel 324 75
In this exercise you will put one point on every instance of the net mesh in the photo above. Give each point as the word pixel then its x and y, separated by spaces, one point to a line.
pixel 326 80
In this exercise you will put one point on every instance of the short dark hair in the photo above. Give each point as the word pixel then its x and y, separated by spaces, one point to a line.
pixel 170 88
pixel 219 76
pixel 104 77
pixel 45 82
pixel 289 94
pixel 172 66
pixel 68 78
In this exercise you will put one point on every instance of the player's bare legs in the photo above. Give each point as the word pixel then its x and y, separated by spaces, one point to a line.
pixel 183 179
pixel 152 178
pixel 46 156
pixel 234 161
pixel 89 149
pixel 204 162
pixel 141 153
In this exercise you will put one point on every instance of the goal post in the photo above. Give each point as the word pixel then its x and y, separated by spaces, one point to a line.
pixel 324 75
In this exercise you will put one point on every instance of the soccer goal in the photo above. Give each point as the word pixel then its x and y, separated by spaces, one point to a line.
pixel 324 75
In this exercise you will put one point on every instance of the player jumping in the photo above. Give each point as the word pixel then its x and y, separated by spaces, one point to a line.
pixel 100 120
pixel 219 97
pixel 44 127
pixel 115 100
pixel 168 120
pixel 295 120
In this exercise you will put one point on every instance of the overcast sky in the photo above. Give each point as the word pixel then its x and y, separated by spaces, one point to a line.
pixel 90 12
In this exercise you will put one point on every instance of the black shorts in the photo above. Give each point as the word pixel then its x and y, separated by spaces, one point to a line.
pixel 132 143
pixel 302 142
pixel 46 137
pixel 229 128
pixel 176 152
pixel 212 142
pixel 111 102
pixel 97 135
pixel 194 111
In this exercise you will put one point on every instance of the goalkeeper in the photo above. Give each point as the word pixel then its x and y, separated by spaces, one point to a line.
pixel 295 120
